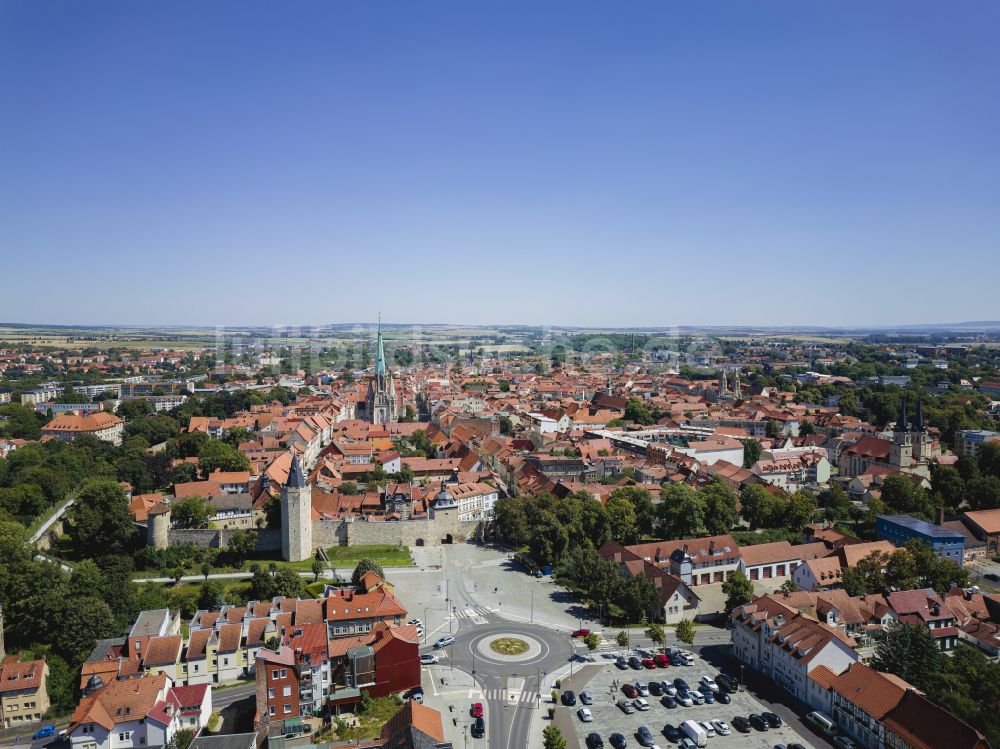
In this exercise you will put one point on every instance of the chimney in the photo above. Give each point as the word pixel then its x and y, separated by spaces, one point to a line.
pixel 939 516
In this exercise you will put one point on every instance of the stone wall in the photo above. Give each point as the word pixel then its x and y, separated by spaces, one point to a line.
pixel 443 527
pixel 268 539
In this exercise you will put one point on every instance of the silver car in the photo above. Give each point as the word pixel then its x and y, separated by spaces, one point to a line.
pixel 625 706
pixel 721 727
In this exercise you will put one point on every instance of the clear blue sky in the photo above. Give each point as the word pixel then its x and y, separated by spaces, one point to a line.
pixel 638 163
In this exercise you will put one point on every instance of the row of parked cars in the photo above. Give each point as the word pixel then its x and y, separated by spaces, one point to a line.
pixel 691 734
pixel 674 657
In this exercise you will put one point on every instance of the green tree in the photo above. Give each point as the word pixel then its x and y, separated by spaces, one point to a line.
pixel 592 641
pixel 907 651
pixel 191 512
pixel 86 579
pixel 552 738
pixel 681 512
pixel 216 455
pixel 210 597
pixel 948 487
pixel 317 569
pixel 622 520
pixel 366 703
pixel 751 452
pixel 622 639
pixel 866 576
pixel 655 633
pixel 983 492
pixel 348 489
pixel 685 631
pixel 989 459
pixel 365 566
pixel 100 519
pixel 182 739
pixel 738 590
pixel 788 587
pixel 206 569
pixel 241 545
pixel 83 622
pixel 760 508
pixel 720 507
pixel 287 583
pixel 638 598
pixel 635 410
pixel 799 510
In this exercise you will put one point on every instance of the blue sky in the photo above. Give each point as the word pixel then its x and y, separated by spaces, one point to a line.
pixel 609 164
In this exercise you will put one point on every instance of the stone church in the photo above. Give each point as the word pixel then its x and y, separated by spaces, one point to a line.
pixel 381 403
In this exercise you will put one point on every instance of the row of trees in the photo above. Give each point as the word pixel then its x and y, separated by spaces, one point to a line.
pixel 912 566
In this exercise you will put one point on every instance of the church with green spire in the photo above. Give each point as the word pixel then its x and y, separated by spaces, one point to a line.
pixel 381 403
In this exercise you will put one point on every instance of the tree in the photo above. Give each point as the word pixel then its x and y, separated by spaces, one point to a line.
pixel 983 492
pixel 738 590
pixel 552 738
pixel 720 507
pixel 655 633
pixel 685 631
pixel 635 410
pixel 788 587
pixel 948 487
pixel 100 519
pixel 365 705
pixel 191 512
pixel 622 639
pixel 907 651
pixel 206 569
pixel 866 576
pixel 241 545
pixel 83 622
pixel 86 579
pixel 681 511
pixel 288 584
pixel 760 507
pixel 798 511
pixel 365 566
pixel 317 569
pixel 622 520
pixel 773 429
pixel 901 496
pixel 592 640
pixel 182 739
pixel 216 455
pixel 177 574
pixel 211 595
pixel 348 489
pixel 638 598
pixel 506 426
pixel 751 452
pixel 989 459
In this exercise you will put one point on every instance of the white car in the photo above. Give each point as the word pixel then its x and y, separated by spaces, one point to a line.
pixel 585 715
pixel 428 658
pixel 707 727
pixel 444 641
pixel 685 699
pixel 640 704
pixel 721 727
pixel 709 682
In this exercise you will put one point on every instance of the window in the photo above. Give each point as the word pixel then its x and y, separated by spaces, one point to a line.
pixel 288 709
pixel 270 710
pixel 270 693
pixel 284 673
pixel 274 674
pixel 286 692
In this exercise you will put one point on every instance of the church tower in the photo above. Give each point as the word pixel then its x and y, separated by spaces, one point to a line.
pixel 901 451
pixel 381 403
pixel 296 515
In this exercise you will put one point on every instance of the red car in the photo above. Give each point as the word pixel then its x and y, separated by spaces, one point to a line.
pixel 580 633
pixel 630 691
pixel 661 660
pixel 649 663
pixel 477 709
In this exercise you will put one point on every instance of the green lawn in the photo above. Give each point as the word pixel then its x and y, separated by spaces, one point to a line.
pixel 388 555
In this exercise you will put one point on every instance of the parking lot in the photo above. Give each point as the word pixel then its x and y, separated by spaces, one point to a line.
pixel 608 718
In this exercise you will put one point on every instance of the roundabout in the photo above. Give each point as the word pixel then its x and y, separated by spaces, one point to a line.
pixel 506 647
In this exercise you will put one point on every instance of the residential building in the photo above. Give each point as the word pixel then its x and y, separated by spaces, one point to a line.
pixel 69 426
pixel 677 601
pixel 985 525
pixel 927 608
pixel 696 561
pixel 23 695
pixel 968 441
pixel 777 559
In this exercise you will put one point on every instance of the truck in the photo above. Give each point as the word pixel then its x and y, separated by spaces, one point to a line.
pixel 696 733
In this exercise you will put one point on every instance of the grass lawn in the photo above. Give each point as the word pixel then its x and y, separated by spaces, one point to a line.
pixel 370 722
pixel 388 555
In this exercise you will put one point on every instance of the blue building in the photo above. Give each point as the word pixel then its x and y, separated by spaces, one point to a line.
pixel 898 529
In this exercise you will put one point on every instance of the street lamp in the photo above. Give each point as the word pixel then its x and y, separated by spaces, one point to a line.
pixel 741 678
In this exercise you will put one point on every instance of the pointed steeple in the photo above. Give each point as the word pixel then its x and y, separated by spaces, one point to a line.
pixel 918 424
pixel 901 425
pixel 380 350
pixel 296 479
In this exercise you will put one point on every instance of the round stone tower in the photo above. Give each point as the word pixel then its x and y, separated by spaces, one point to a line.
pixel 158 527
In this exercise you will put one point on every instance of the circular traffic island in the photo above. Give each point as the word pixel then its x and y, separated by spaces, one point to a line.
pixel 509 646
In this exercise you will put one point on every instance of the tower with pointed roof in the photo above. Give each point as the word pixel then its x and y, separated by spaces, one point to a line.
pixel 296 515
pixel 901 451
pixel 381 403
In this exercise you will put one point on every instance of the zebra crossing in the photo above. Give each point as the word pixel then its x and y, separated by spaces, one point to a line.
pixel 471 615
pixel 511 696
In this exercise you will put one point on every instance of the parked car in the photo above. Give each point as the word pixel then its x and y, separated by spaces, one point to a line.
pixel 722 698
pixel 429 658
pixel 416 694
pixel 625 706
pixel 684 698
pixel 585 715
pixel 477 710
pixel 687 743
pixel 629 690
pixel 773 719
pixel 821 723
pixel 569 698
pixel 661 660
pixel 645 736
pixel 727 683
pixel 594 741
pixel 992 577
pixel 668 702
pixel 672 732
pixel 796 745
pixel 621 662
pixel 721 727
pixel 580 632
pixel 478 728
pixel 758 722
pixel 648 663
pixel 698 697
pixel 617 741
pixel 668 688
pixel 707 727
pixel 640 704
pixel 741 724
pixel 709 682
pixel 635 663
pixel 44 732
pixel 842 742
pixel 586 698
pixel 641 688
pixel 709 697
pixel 655 688
pixel 682 686
pixel 444 641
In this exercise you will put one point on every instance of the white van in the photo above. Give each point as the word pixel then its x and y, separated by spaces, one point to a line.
pixel 821 723
pixel 695 732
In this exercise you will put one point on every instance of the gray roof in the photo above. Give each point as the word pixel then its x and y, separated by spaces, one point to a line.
pixel 226 741
pixel 921 526
pixel 148 623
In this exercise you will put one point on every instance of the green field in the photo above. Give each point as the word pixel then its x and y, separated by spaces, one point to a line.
pixel 388 555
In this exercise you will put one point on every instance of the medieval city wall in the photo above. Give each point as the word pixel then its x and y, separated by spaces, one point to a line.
pixel 268 539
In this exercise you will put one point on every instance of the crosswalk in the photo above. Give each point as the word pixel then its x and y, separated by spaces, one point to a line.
pixel 512 696
pixel 471 615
